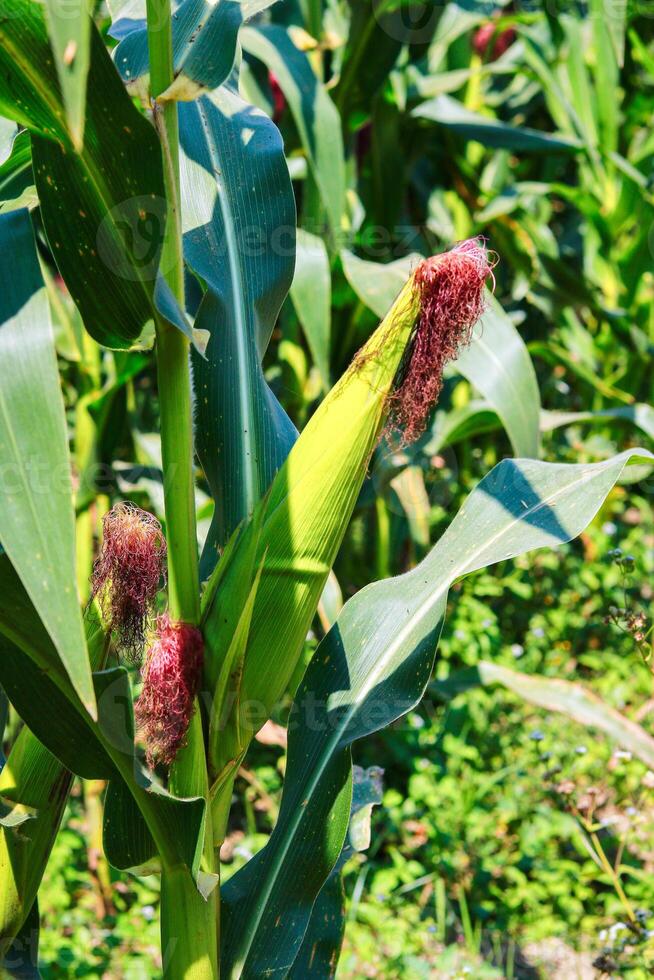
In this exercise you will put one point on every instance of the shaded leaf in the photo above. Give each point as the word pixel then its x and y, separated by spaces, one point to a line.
pixel 491 132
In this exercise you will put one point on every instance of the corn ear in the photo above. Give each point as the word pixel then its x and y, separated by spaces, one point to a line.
pixel 302 522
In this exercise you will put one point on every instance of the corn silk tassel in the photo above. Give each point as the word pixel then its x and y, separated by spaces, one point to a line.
pixel 393 381
pixel 127 574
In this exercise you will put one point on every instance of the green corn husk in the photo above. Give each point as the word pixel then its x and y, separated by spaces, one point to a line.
pixel 294 538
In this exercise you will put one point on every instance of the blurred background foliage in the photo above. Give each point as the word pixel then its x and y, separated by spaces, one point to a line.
pixel 409 126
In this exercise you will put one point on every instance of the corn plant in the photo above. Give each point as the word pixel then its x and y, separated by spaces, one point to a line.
pixel 163 201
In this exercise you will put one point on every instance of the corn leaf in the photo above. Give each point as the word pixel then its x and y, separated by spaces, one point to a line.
pixel 565 697
pixel 69 28
pixel 37 519
pixel 640 415
pixel 239 237
pixel 371 668
pixel 316 117
pixel 311 293
pixel 491 132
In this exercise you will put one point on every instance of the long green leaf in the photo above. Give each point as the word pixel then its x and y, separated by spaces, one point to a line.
pixel 640 415
pixel 491 132
pixel 553 694
pixel 371 668
pixel 311 295
pixel 316 117
pixel 37 517
pixel 239 237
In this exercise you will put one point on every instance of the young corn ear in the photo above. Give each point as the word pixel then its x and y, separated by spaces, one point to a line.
pixel 306 512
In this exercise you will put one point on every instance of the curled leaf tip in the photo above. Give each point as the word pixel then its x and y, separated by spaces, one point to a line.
pixel 127 573
pixel 450 289
pixel 171 678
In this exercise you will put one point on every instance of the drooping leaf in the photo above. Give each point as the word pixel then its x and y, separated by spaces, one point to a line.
pixel 37 518
pixel 371 668
pixel 316 117
pixel 239 237
pixel 447 112
pixel 69 28
pixel 311 295
pixel 450 427
pixel 640 415
pixel 554 694
pixel 497 362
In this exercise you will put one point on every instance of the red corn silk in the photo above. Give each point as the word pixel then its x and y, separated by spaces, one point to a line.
pixel 171 678
pixel 127 573
pixel 451 293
